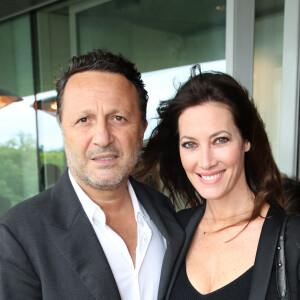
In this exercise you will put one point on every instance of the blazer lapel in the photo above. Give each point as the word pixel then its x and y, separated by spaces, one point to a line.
pixel 168 227
pixel 78 244
pixel 189 231
pixel 265 254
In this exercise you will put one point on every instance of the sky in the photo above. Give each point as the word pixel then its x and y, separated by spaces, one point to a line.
pixel 20 117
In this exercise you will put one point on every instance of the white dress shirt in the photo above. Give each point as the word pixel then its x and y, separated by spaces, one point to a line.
pixel 141 281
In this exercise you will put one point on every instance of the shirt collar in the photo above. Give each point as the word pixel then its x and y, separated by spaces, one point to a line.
pixel 91 208
pixel 137 206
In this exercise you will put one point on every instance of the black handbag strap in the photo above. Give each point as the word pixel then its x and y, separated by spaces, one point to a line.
pixel 281 273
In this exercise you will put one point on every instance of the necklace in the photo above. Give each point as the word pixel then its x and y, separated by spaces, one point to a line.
pixel 232 238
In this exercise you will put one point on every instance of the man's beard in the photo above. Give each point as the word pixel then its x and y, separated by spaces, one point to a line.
pixel 115 180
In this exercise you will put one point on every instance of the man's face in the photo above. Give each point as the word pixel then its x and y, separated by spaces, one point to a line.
pixel 102 129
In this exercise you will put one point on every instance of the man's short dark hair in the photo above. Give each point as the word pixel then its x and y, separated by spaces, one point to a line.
pixel 103 61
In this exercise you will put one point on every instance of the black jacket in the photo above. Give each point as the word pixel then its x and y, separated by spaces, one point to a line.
pixel 263 285
pixel 49 250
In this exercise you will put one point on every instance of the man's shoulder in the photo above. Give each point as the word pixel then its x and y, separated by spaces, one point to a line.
pixel 150 198
pixel 38 207
pixel 148 189
pixel 29 210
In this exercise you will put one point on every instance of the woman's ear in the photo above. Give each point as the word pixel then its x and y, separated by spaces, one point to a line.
pixel 247 146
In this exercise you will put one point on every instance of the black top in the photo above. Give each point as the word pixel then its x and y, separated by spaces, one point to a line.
pixel 263 280
pixel 235 290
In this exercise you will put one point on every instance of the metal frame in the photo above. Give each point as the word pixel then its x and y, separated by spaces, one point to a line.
pixel 73 10
pixel 240 18
pixel 289 123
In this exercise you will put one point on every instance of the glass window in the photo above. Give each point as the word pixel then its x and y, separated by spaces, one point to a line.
pixel 268 41
pixel 18 142
pixel 163 45
pixel 52 158
pixel 53 55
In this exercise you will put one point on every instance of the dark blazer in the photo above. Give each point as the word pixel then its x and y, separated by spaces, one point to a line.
pixel 263 285
pixel 49 250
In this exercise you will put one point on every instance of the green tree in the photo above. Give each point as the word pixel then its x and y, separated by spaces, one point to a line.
pixel 18 168
pixel 52 166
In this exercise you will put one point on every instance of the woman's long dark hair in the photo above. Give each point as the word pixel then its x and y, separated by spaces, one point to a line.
pixel 162 149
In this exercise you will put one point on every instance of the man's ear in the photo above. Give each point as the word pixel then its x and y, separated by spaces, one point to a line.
pixel 144 127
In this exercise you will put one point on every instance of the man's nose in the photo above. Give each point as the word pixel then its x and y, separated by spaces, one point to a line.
pixel 102 135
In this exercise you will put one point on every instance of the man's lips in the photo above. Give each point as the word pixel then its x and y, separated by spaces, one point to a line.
pixel 105 158
pixel 211 177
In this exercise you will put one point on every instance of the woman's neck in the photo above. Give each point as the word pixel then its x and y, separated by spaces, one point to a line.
pixel 230 209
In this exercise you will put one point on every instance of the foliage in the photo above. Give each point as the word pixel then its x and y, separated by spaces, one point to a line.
pixel 52 166
pixel 19 174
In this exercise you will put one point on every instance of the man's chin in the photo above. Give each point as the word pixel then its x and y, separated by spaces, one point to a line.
pixel 106 184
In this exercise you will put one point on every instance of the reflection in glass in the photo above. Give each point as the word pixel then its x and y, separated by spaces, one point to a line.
pixel 161 85
pixel 52 159
pixel 163 46
pixel 268 47
pixel 191 31
pixel 7 98
pixel 18 151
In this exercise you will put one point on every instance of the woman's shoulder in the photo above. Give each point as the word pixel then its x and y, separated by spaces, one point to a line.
pixel 293 225
pixel 183 216
pixel 292 240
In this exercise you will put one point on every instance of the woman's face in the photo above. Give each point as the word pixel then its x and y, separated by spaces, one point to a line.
pixel 212 150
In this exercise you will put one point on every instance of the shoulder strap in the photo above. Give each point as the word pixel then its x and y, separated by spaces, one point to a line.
pixel 281 274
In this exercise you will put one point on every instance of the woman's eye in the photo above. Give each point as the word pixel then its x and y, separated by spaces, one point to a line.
pixel 188 145
pixel 221 140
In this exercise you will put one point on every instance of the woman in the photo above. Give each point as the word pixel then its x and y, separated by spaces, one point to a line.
pixel 214 156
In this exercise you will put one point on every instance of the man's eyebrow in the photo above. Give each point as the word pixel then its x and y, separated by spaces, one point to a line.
pixel 111 112
pixel 123 111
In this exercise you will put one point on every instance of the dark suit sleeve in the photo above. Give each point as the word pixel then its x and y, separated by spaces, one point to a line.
pixel 18 280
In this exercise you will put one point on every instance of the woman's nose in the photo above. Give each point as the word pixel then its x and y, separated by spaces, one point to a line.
pixel 206 159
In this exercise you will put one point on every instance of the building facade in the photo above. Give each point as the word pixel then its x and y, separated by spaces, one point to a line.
pixel 256 41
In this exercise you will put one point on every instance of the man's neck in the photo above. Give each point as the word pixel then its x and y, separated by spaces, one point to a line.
pixel 110 201
pixel 119 213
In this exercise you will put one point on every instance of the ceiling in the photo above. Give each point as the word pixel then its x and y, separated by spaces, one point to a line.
pixel 10 8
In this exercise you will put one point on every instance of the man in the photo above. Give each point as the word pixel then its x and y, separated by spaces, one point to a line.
pixel 97 234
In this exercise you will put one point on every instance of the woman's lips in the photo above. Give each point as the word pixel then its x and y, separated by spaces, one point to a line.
pixel 210 178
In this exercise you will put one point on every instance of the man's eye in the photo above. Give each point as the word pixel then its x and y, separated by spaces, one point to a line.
pixel 82 120
pixel 188 145
pixel 119 118
pixel 221 140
